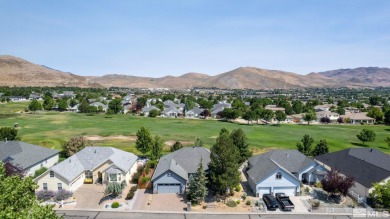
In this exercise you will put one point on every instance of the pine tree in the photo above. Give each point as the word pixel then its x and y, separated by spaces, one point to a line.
pixel 200 184
pixel 305 146
pixel 223 165
pixel 157 146
pixel 240 141
pixel 321 148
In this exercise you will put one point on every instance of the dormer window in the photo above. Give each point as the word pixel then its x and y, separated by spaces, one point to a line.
pixel 51 174
pixel 279 176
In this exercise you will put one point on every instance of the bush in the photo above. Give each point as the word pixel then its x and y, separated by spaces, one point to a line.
pixel 130 195
pixel 238 188
pixel 152 163
pixel 307 190
pixel 134 188
pixel 238 202
pixel 115 205
pixel 135 177
pixel 147 169
pixel 315 204
pixel 145 179
pixel 248 202
pixel 244 195
pixel 39 171
pixel 62 195
pixel 45 195
pixel 231 203
pixel 318 185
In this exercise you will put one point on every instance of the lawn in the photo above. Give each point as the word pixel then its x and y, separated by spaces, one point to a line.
pixel 53 129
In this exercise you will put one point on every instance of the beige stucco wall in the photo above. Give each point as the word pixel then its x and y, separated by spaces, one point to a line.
pixel 52 182
pixel 45 163
pixel 101 168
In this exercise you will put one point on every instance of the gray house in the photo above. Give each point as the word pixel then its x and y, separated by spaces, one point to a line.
pixel 365 165
pixel 173 170
pixel 281 171
pixel 29 157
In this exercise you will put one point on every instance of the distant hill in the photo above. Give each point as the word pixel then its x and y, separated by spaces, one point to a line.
pixel 370 76
pixel 18 72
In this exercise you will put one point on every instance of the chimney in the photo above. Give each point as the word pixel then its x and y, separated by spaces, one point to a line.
pixel 371 150
pixel 5 139
pixel 95 151
pixel 70 161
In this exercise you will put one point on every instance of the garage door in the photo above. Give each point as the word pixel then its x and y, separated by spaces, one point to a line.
pixel 263 190
pixel 290 191
pixel 168 188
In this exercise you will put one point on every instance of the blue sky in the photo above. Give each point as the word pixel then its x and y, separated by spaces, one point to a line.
pixel 173 37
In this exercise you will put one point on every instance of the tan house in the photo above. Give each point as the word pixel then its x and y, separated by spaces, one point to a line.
pixel 357 118
pixel 90 165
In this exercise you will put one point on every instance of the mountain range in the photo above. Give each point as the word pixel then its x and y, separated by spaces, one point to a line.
pixel 15 71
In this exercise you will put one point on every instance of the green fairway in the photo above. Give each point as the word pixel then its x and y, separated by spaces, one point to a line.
pixel 53 129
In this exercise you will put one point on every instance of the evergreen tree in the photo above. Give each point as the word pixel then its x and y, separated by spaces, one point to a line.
pixel 115 106
pixel 144 140
pixel 84 106
pixel 240 141
pixel 198 142
pixel 176 146
pixel 305 146
pixel 321 148
pixel 62 105
pixel 223 165
pixel 156 149
pixel 48 103
pixel 197 189
pixel 8 133
pixel 35 105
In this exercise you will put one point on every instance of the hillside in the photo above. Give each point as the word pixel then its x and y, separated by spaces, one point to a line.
pixel 18 72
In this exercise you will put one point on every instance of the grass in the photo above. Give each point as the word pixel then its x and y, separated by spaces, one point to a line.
pixel 53 129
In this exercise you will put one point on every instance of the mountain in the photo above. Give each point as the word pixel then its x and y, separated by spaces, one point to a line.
pixel 18 72
pixel 370 76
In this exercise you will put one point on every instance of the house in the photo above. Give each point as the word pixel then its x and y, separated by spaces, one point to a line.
pixel 90 165
pixel 146 110
pixel 275 108
pixel 171 112
pixel 219 107
pixel 29 157
pixel 173 170
pixel 34 96
pixel 357 118
pixel 16 98
pixel 98 104
pixel 365 165
pixel 194 113
pixel 323 115
pixel 324 107
pixel 281 171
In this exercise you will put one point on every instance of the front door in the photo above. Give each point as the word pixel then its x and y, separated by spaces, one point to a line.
pixel 100 178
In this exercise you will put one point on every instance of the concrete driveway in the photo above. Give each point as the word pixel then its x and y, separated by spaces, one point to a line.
pixel 88 196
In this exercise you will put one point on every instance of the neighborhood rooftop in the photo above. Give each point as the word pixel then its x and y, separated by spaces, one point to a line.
pixel 90 158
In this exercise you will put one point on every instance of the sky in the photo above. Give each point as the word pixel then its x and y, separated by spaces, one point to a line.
pixel 172 37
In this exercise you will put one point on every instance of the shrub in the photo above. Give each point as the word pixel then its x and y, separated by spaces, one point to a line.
pixel 204 206
pixel 115 205
pixel 318 185
pixel 145 179
pixel 45 195
pixel 238 188
pixel 152 163
pixel 244 195
pixel 39 171
pixel 130 195
pixel 248 202
pixel 238 201
pixel 231 203
pixel 62 195
pixel 135 177
pixel 307 190
pixel 315 204
pixel 147 169
pixel 134 188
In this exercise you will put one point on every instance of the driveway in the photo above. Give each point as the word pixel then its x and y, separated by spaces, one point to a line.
pixel 299 207
pixel 88 196
pixel 158 202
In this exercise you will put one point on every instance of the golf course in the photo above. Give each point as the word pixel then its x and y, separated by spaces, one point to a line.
pixel 53 129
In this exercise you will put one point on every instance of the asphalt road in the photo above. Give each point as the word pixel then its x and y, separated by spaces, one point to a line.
pixel 74 214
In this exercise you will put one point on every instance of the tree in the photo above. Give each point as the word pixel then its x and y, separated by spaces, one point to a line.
pixel 84 106
pixel 154 113
pixel 72 102
pixel 35 105
pixel 13 170
pixel 240 141
pixel 335 183
pixel 321 148
pixel 8 133
pixel 75 144
pixel 48 103
pixel 387 140
pixel 197 189
pixel 376 113
pixel 366 135
pixel 387 117
pixel 267 114
pixel 305 146
pixel 374 100
pixel 297 106
pixel 62 104
pixel 115 106
pixel 309 116
pixel 198 142
pixel 176 146
pixel 280 116
pixel 156 149
pixel 17 199
pixel 230 114
pixel 340 110
pixel 142 101
pixel 381 195
pixel 249 116
pixel 144 140
pixel 115 188
pixel 223 166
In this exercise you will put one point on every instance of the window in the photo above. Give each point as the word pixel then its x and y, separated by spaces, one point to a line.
pixel 119 177
pixel 59 186
pixel 45 186
pixel 113 177
pixel 169 174
pixel 278 176
pixel 88 174
pixel 51 174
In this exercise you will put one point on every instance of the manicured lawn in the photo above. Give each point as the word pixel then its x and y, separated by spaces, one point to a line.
pixel 53 129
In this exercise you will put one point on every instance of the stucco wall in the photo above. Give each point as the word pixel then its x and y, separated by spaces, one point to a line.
pixel 52 182
pixel 286 181
pixel 30 171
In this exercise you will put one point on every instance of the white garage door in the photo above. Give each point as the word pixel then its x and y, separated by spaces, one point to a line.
pixel 263 190
pixel 168 188
pixel 290 191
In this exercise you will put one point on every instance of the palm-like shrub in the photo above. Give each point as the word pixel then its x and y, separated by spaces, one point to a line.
pixel 114 188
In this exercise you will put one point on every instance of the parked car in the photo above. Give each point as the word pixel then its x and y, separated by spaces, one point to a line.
pixel 284 202
pixel 270 202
